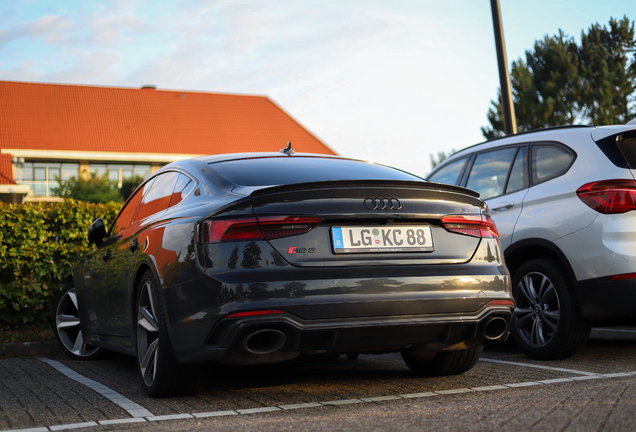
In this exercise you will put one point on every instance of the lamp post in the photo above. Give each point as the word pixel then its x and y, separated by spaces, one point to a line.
pixel 510 124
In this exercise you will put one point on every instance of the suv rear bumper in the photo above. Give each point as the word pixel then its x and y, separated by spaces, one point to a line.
pixel 606 301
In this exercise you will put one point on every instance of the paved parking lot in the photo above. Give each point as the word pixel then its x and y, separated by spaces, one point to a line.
pixel 593 390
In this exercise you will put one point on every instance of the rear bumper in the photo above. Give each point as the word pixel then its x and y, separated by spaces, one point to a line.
pixel 371 308
pixel 229 341
pixel 606 302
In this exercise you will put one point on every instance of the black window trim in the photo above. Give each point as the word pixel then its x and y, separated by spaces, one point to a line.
pixel 468 166
pixel 562 146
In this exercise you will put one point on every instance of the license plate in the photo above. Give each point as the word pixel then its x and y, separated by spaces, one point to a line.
pixel 403 238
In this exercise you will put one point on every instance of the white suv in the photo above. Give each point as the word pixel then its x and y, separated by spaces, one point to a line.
pixel 563 199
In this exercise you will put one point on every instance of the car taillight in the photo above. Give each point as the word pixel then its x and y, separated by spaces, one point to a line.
pixel 624 276
pixel 609 196
pixel 252 228
pixel 472 225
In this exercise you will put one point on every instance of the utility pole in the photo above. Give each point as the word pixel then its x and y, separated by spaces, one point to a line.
pixel 510 124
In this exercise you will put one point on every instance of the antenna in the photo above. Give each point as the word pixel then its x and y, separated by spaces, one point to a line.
pixel 289 150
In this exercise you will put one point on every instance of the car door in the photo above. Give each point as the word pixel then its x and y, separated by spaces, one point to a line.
pixel 501 178
pixel 130 235
pixel 551 209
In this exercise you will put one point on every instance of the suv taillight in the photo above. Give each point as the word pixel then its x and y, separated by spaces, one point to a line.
pixel 472 225
pixel 609 196
pixel 252 228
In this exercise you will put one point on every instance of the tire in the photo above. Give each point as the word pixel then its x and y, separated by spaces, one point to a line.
pixel 431 363
pixel 68 328
pixel 547 323
pixel 161 375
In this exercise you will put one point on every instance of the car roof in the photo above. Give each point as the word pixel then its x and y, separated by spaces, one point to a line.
pixel 598 133
pixel 523 134
pixel 549 133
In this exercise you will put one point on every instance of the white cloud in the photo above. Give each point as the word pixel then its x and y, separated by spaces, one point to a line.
pixel 50 29
pixel 92 67
pixel 387 81
pixel 114 31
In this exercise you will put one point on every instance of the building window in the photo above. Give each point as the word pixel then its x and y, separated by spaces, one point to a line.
pixel 120 172
pixel 42 176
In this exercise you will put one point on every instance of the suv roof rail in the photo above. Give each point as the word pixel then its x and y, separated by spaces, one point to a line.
pixel 524 133
pixel 569 126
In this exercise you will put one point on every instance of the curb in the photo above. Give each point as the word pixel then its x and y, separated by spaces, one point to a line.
pixel 29 349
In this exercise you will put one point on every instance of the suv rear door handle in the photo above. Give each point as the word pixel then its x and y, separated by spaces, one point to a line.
pixel 504 206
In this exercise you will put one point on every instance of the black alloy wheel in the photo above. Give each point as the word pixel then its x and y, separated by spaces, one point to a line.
pixel 68 329
pixel 161 375
pixel 547 323
pixel 430 363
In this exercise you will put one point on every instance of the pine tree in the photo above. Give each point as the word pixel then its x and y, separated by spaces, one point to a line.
pixel 561 82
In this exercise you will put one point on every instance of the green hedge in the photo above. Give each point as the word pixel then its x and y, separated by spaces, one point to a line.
pixel 39 243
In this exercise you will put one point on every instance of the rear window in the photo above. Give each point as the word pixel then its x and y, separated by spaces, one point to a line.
pixel 620 149
pixel 290 170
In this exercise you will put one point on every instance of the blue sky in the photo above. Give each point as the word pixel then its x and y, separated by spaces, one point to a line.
pixel 385 81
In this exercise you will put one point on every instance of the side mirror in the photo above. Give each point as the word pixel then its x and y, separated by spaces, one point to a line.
pixel 97 232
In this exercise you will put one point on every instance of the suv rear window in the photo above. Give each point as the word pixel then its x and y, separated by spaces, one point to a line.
pixel 288 170
pixel 620 149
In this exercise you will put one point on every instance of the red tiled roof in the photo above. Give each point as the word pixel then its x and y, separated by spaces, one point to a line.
pixel 123 120
pixel 6 176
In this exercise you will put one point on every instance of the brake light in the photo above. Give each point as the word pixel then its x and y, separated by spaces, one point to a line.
pixel 624 276
pixel 609 196
pixel 252 228
pixel 472 225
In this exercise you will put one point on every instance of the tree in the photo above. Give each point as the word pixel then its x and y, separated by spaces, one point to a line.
pixel 95 189
pixel 561 82
pixel 609 76
pixel 441 157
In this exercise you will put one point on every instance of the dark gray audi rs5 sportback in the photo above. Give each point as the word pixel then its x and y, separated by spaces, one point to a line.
pixel 262 258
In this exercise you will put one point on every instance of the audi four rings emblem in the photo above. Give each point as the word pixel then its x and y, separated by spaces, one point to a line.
pixel 382 204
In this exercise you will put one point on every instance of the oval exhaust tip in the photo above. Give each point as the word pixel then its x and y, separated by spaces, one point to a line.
pixel 263 341
pixel 495 328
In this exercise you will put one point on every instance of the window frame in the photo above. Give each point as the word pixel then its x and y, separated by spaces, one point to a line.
pixel 562 146
pixel 473 157
pixel 529 181
pixel 151 178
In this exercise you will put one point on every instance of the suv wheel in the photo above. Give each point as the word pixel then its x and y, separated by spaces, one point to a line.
pixel 547 324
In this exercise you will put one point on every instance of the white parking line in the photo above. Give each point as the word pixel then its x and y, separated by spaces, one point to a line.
pixel 529 365
pixel 73 426
pixel 583 376
pixel 134 409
